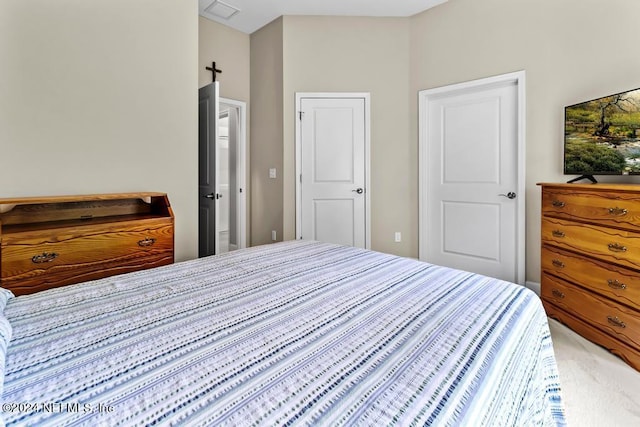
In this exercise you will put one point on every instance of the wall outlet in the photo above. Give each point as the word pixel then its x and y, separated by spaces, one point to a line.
pixel 273 235
pixel 272 172
pixel 398 237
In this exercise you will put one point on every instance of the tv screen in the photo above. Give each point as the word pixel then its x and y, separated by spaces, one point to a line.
pixel 601 136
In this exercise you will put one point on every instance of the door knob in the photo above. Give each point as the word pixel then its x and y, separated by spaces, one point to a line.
pixel 509 195
pixel 213 196
pixel 358 190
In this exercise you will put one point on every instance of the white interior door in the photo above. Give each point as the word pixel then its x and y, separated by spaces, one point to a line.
pixel 472 191
pixel 332 190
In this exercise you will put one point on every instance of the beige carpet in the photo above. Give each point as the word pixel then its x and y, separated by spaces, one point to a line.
pixel 598 388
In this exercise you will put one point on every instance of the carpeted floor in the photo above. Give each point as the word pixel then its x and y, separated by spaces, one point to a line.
pixel 598 388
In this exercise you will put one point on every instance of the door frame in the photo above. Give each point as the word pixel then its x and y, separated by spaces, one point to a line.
pixel 241 165
pixel 424 97
pixel 367 154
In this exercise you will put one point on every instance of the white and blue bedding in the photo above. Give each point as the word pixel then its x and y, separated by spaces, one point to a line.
pixel 295 333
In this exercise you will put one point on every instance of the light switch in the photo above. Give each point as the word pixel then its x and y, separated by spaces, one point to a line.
pixel 272 172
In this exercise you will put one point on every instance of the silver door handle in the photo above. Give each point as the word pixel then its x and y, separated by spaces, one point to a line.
pixel 213 196
pixel 509 195
pixel 358 190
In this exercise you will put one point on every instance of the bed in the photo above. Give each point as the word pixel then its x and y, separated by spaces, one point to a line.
pixel 293 333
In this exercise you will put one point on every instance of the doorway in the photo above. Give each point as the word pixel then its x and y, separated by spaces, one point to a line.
pixel 471 168
pixel 232 122
pixel 332 168
pixel 222 166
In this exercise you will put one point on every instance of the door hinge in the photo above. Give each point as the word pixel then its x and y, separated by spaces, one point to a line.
pixel 300 178
pixel 300 114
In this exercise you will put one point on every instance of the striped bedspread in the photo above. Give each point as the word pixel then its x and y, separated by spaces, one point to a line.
pixel 294 333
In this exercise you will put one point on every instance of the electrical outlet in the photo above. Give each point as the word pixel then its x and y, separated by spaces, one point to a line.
pixel 273 235
pixel 272 172
pixel 398 237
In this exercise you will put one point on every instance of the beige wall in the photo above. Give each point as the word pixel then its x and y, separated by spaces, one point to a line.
pixel 101 97
pixel 354 54
pixel 267 132
pixel 572 51
pixel 230 49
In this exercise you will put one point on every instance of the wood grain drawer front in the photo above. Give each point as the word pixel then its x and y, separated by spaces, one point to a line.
pixel 621 210
pixel 618 283
pixel 611 245
pixel 614 319
pixel 88 252
pixel 620 348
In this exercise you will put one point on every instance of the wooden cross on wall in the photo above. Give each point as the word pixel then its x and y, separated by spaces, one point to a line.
pixel 214 70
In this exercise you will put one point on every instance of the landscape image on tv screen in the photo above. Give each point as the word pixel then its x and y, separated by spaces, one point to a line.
pixel 602 136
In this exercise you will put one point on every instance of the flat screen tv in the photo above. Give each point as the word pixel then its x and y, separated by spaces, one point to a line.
pixel 602 136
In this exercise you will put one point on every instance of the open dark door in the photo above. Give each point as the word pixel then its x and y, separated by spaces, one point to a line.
pixel 208 191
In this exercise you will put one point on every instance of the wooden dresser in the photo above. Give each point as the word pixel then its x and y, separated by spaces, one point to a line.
pixel 591 262
pixel 47 242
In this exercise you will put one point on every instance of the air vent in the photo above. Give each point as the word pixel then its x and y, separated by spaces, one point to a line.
pixel 221 9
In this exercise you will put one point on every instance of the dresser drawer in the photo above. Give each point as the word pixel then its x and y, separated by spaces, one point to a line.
pixel 42 259
pixel 621 210
pixel 608 244
pixel 614 319
pixel 617 283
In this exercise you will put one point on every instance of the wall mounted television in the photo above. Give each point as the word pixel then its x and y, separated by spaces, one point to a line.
pixel 602 136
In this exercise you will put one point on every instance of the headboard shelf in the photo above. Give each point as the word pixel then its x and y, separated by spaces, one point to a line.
pixel 75 223
pixel 60 208
pixel 47 242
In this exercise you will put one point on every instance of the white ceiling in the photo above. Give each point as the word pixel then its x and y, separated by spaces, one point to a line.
pixel 254 14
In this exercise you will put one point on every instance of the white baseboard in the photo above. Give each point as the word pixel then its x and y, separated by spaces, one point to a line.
pixel 534 286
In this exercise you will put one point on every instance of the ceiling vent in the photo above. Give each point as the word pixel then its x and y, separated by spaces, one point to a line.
pixel 221 9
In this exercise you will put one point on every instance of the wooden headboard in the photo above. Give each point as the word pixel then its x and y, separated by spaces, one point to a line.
pixel 47 242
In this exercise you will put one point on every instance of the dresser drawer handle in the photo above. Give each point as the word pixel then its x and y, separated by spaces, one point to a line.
pixel 556 293
pixel 147 241
pixel 616 247
pixel 557 204
pixel 557 233
pixel 615 284
pixel 617 211
pixel 616 322
pixel 557 263
pixel 45 257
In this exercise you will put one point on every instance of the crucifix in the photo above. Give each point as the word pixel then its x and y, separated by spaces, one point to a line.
pixel 213 70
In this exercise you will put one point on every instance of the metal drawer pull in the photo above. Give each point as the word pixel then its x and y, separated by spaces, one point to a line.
pixel 616 247
pixel 557 233
pixel 616 322
pixel 557 204
pixel 556 293
pixel 614 284
pixel 45 257
pixel 617 211
pixel 558 263
pixel 147 241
